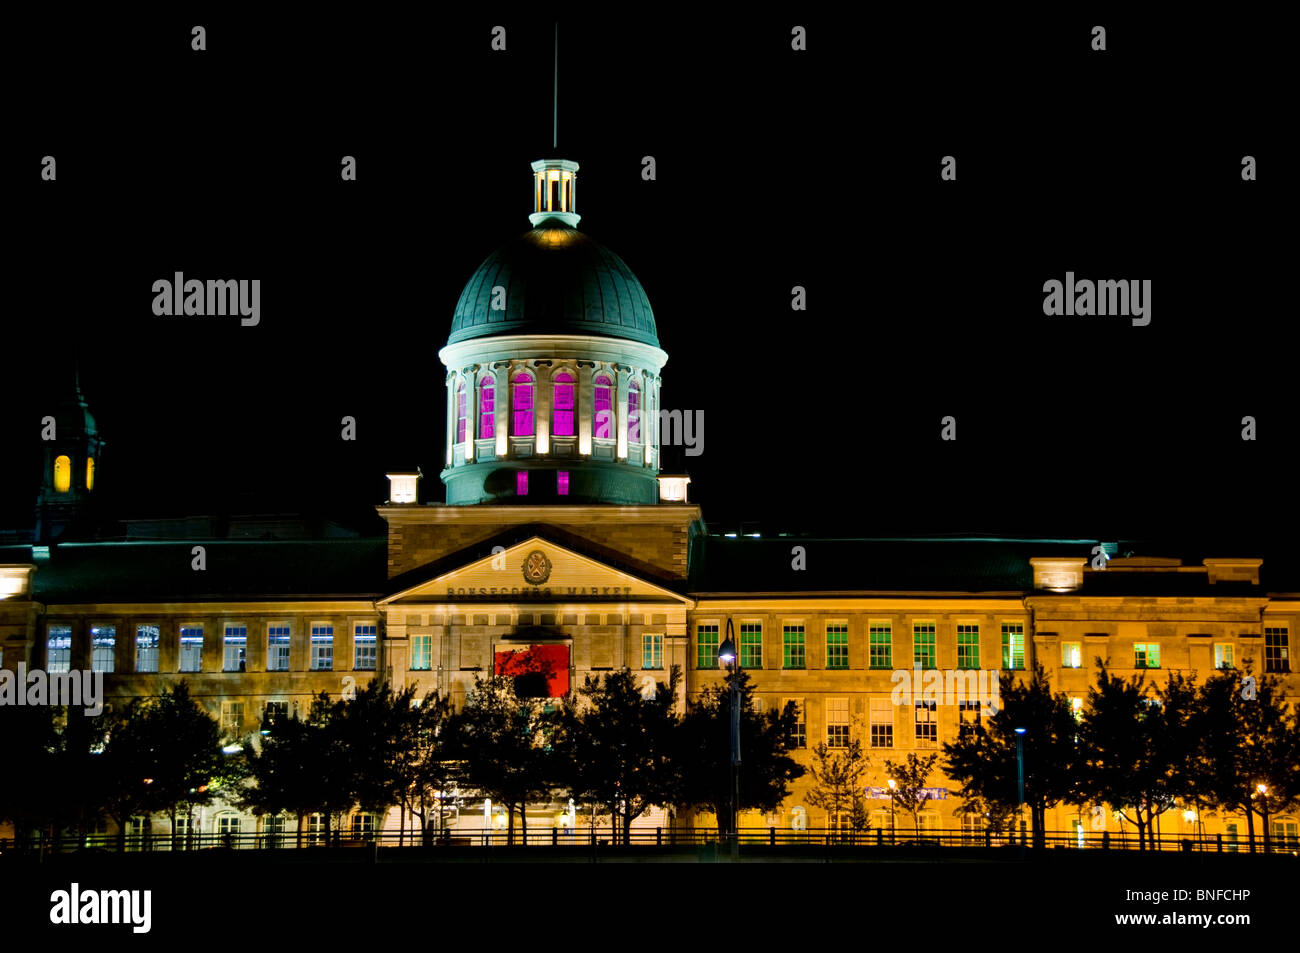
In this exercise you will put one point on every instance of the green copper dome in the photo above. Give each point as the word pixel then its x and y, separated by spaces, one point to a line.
pixel 557 281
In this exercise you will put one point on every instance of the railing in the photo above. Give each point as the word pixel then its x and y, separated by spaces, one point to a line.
pixel 899 839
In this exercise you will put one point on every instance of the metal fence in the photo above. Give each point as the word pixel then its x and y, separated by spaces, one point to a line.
pixel 899 839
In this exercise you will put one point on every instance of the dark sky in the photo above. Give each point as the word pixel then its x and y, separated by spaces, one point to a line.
pixel 775 168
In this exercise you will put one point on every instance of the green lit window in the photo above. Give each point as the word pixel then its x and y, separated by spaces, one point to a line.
pixel 923 644
pixel 652 650
pixel 1146 655
pixel 968 646
pixel 421 653
pixel 751 645
pixel 880 641
pixel 706 642
pixel 794 647
pixel 1013 645
pixel 837 646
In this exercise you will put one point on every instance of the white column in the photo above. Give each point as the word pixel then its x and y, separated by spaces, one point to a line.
pixel 451 414
pixel 504 398
pixel 620 383
pixel 542 409
pixel 586 401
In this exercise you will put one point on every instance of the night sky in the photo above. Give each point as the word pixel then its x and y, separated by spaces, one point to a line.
pixel 775 169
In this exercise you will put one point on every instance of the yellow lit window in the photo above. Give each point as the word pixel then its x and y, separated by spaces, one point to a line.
pixel 62 474
pixel 90 473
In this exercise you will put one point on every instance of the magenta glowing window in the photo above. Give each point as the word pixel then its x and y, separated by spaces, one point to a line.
pixel 521 483
pixel 633 413
pixel 521 404
pixel 563 405
pixel 604 409
pixel 562 482
pixel 487 418
pixel 460 412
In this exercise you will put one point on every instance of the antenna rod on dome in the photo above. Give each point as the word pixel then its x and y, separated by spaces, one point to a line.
pixel 555 104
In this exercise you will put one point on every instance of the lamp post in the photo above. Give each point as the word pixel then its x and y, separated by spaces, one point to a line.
pixel 1020 782
pixel 727 655
pixel 893 785
pixel 1262 791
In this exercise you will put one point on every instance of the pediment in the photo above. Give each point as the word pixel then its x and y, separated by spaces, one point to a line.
pixel 535 570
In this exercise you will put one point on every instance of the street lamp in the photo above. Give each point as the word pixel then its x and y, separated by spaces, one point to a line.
pixel 727 655
pixel 1020 780
pixel 892 786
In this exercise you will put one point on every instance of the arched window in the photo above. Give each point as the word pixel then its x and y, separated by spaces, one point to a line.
pixel 604 408
pixel 90 473
pixel 460 412
pixel 521 405
pixel 487 418
pixel 633 412
pixel 62 474
pixel 562 405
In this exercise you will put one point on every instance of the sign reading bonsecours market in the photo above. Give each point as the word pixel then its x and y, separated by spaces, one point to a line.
pixel 540 592
pixel 927 794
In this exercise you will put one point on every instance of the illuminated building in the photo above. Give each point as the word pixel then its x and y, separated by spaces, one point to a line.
pixel 560 535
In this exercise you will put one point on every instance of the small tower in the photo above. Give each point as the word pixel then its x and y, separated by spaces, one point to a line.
pixel 69 463
pixel 555 183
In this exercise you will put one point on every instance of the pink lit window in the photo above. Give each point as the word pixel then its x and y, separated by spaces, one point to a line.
pixel 460 412
pixel 604 409
pixel 563 405
pixel 562 482
pixel 521 483
pixel 487 419
pixel 633 413
pixel 521 402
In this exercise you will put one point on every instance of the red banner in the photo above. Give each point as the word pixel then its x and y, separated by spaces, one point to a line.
pixel 536 664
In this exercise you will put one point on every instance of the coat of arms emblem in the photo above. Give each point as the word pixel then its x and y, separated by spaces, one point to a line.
pixel 537 568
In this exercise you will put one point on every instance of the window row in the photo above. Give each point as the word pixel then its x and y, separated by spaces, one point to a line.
pixel 652 651
pixel 881 720
pixel 880 645
pixel 1147 654
pixel 234 642
pixel 564 407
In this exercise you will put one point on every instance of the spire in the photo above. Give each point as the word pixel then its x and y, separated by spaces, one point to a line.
pixel 555 98
pixel 555 181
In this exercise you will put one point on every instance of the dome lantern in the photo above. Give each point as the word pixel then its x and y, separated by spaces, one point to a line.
pixel 555 184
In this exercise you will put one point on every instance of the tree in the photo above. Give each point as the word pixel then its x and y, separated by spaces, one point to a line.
pixel 766 769
pixel 504 741
pixel 622 748
pixel 297 769
pixel 910 779
pixel 185 762
pixel 1135 747
pixel 838 788
pixel 421 767
pixel 1247 739
pixel 983 758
